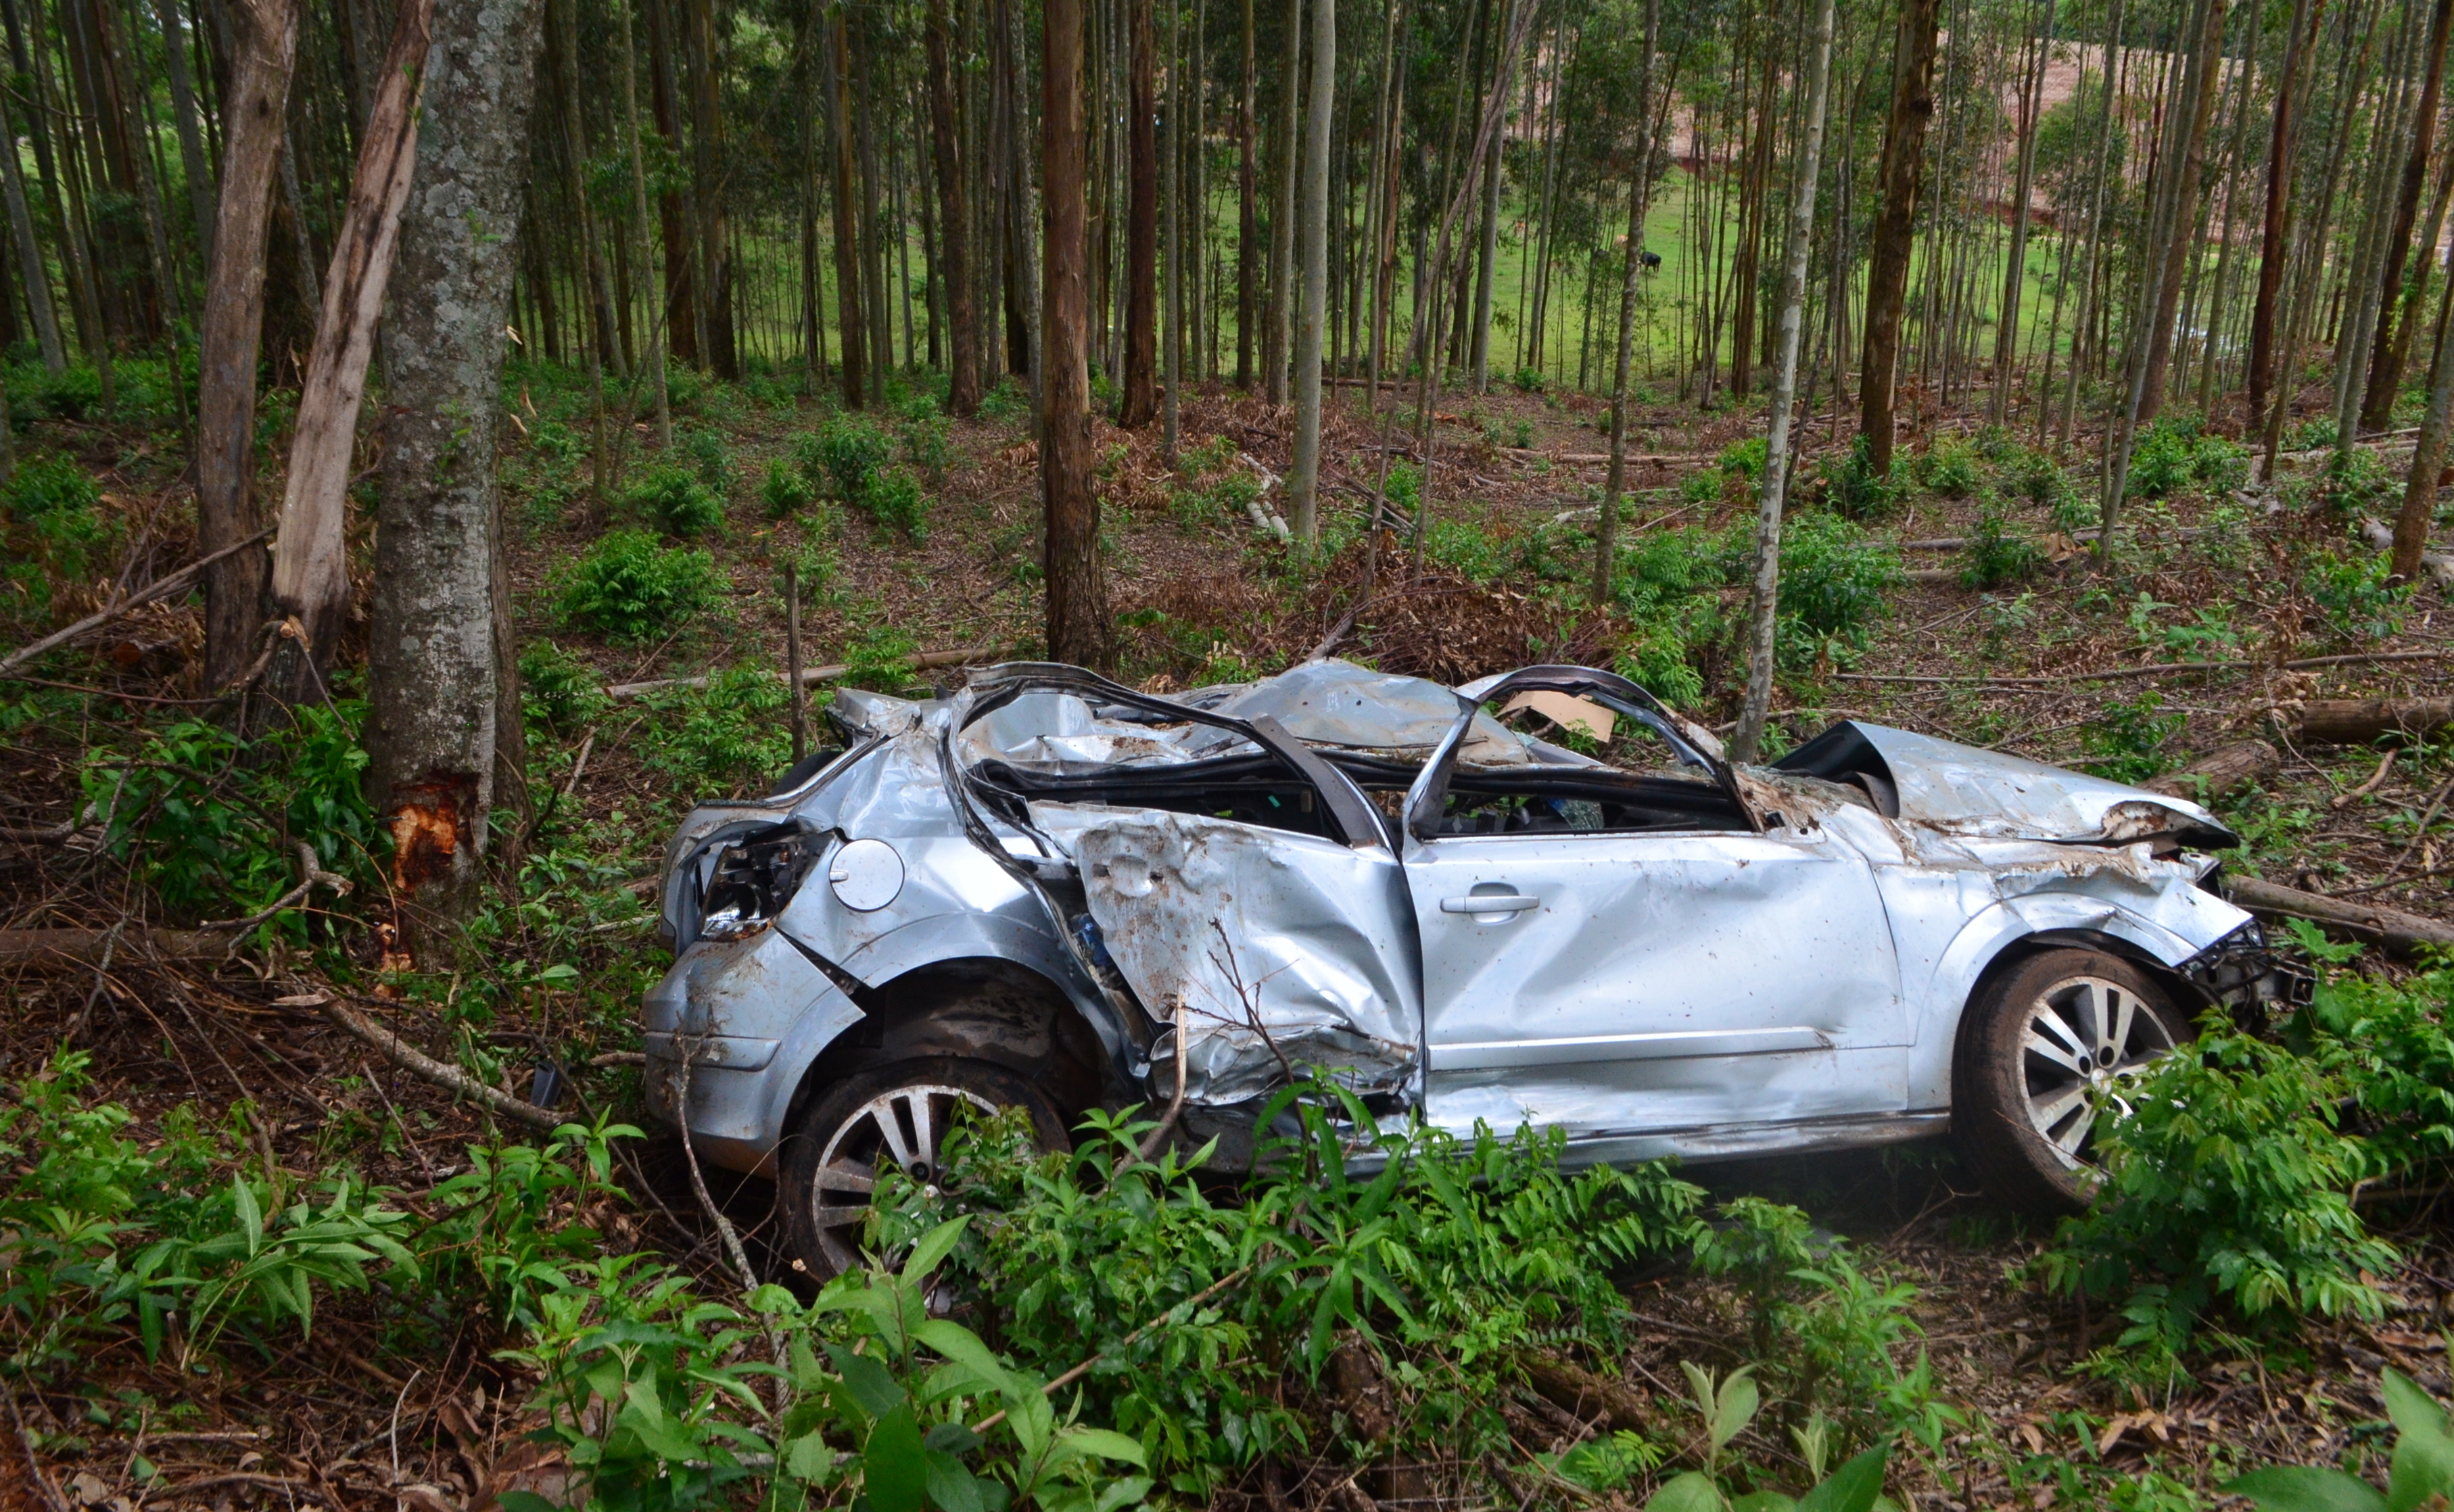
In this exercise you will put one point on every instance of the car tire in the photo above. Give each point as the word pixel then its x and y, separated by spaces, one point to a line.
pixel 2045 1052
pixel 826 1169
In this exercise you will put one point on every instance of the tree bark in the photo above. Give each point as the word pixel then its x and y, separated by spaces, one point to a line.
pixel 197 166
pixel 676 220
pixel 849 315
pixel 1304 484
pixel 1141 402
pixel 962 322
pixel 1171 235
pixel 311 568
pixel 1887 276
pixel 29 253
pixel 639 214
pixel 706 171
pixel 1078 597
pixel 2429 456
pixel 562 23
pixel 2275 232
pixel 2393 345
pixel 1638 198
pixel 1278 327
pixel 1248 220
pixel 264 42
pixel 437 663
pixel 2015 276
pixel 2181 229
pixel 1784 394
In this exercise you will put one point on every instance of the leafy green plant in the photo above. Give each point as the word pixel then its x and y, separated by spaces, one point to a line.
pixel 1852 487
pixel 1997 554
pixel 709 457
pixel 722 737
pixel 784 490
pixel 2227 1179
pixel 1835 584
pixel 558 690
pixel 2421 1469
pixel 1950 466
pixel 894 500
pixel 880 658
pixel 1009 400
pixel 677 503
pixel 2354 594
pixel 2128 737
pixel 629 587
pixel 843 455
pixel 926 444
pixel 1726 1406
pixel 49 484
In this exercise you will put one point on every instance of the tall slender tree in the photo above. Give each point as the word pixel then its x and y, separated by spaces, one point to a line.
pixel 1140 402
pixel 1902 177
pixel 953 211
pixel 1077 594
pixel 1303 485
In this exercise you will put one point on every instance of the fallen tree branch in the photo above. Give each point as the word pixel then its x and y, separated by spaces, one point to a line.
pixel 2358 721
pixel 809 675
pixel 86 947
pixel 2151 668
pixel 409 1057
pixel 159 588
pixel 2370 923
pixel 1578 1391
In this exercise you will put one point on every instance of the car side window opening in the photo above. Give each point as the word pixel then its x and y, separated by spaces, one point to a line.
pixel 1637 785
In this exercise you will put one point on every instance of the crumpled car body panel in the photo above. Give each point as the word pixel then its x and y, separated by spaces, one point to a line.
pixel 1371 879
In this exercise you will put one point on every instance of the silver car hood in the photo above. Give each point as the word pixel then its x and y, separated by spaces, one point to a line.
pixel 1962 790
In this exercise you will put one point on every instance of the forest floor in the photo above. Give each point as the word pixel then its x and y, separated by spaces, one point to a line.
pixel 375 1408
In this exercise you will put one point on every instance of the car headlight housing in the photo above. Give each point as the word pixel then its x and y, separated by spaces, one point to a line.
pixel 749 879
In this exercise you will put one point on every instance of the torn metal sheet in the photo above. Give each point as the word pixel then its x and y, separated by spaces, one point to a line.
pixel 1283 951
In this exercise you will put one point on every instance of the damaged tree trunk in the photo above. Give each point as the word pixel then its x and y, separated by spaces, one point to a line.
pixel 264 42
pixel 2220 771
pixel 311 569
pixel 446 700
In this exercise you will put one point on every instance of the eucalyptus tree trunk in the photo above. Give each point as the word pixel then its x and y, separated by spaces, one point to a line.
pixel 311 567
pixel 849 305
pixel 2276 232
pixel 1887 276
pixel 2221 301
pixel 1171 193
pixel 640 216
pixel 442 664
pixel 197 168
pixel 2015 276
pixel 1078 597
pixel 954 195
pixel 1303 486
pixel 1764 611
pixel 1281 329
pixel 1487 255
pixel 562 21
pixel 2392 349
pixel 1640 193
pixel 264 43
pixel 29 253
pixel 1139 404
pixel 2429 456
pixel 1248 220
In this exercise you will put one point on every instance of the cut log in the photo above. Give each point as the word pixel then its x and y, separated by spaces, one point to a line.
pixel 2369 924
pixel 1576 1390
pixel 2357 721
pixel 2244 763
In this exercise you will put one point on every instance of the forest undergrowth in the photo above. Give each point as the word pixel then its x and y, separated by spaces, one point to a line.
pixel 244 1260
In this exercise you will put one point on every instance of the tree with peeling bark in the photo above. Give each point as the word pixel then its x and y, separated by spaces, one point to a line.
pixel 1763 609
pixel 1078 626
pixel 311 569
pixel 445 725
pixel 264 43
pixel 1902 176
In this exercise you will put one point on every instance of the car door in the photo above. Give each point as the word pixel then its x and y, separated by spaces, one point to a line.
pixel 1683 977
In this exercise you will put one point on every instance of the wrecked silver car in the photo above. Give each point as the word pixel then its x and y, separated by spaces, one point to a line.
pixel 1542 898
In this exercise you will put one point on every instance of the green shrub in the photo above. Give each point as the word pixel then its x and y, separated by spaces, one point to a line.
pixel 725 737
pixel 1450 1256
pixel 709 457
pixel 2354 593
pixel 880 658
pixel 1853 488
pixel 677 503
pixel 1530 380
pixel 1009 400
pixel 2227 1178
pixel 894 500
pixel 49 484
pixel 1835 580
pixel 843 455
pixel 559 691
pixel 2164 463
pixel 211 823
pixel 927 443
pixel 1997 555
pixel 631 588
pixel 1949 467
pixel 784 490
pixel 74 394
pixel 2128 738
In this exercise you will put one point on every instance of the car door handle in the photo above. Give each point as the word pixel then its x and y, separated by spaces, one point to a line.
pixel 1490 904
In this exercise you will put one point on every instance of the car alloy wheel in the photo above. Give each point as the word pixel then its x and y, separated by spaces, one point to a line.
pixel 906 1125
pixel 2052 1047
pixel 2085 1040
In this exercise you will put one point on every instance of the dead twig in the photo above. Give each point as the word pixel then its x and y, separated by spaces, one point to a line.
pixel 159 588
pixel 409 1057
